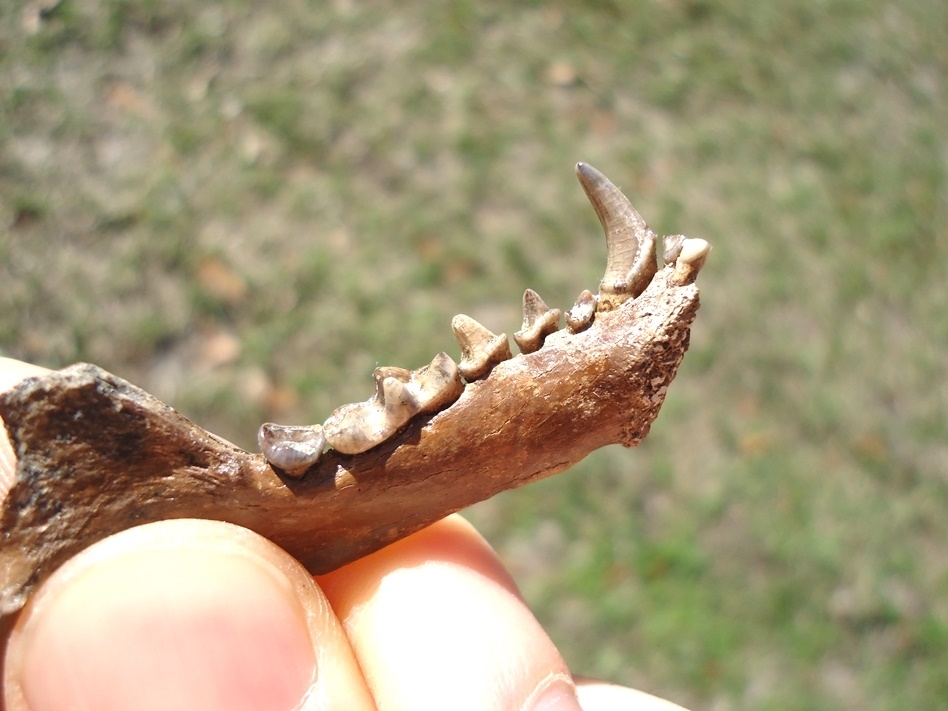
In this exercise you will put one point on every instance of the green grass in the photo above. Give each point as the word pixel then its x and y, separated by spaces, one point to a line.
pixel 325 185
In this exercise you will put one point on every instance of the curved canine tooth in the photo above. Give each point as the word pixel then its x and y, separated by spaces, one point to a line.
pixel 691 258
pixel 631 244
pixel 581 315
pixel 671 248
pixel 539 321
pixel 400 394
pixel 481 350
pixel 290 448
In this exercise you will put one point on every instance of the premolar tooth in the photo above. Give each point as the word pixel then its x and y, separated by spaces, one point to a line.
pixel 481 350
pixel 630 265
pixel 438 384
pixel 581 315
pixel 691 258
pixel 400 394
pixel 293 449
pixel 539 321
pixel 671 248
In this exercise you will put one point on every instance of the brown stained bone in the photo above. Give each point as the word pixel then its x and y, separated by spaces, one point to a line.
pixel 97 455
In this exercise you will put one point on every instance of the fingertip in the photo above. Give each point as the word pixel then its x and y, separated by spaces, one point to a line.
pixel 595 695
pixel 11 373
pixel 436 622
pixel 452 541
pixel 177 614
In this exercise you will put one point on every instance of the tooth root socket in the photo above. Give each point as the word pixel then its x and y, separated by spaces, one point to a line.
pixel 292 449
pixel 400 394
pixel 539 321
pixel 581 316
pixel 481 350
pixel 631 261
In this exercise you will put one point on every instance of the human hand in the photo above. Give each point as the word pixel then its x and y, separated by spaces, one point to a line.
pixel 205 615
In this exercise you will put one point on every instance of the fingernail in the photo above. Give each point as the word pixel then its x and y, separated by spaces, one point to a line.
pixel 556 694
pixel 201 624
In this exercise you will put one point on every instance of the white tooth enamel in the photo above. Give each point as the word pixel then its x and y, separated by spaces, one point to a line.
pixel 690 260
pixel 693 250
pixel 290 448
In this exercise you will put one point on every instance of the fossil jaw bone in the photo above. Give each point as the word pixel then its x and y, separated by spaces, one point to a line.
pixel 539 321
pixel 481 350
pixel 400 394
pixel 631 261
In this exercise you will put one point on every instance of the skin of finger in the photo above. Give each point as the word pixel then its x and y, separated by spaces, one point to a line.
pixel 11 373
pixel 597 695
pixel 436 622
pixel 181 614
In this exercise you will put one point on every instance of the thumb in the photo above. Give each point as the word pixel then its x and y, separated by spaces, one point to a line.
pixel 180 614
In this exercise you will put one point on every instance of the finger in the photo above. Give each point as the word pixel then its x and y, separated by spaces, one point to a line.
pixel 597 695
pixel 181 614
pixel 11 373
pixel 436 622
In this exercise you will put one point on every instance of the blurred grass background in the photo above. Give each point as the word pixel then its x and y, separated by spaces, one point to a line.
pixel 244 207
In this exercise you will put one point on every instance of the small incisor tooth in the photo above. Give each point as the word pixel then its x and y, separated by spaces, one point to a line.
pixel 671 248
pixel 539 321
pixel 690 259
pixel 481 350
pixel 580 317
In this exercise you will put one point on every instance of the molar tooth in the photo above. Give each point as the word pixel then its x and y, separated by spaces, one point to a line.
pixel 359 426
pixel 400 394
pixel 671 248
pixel 630 265
pixel 438 384
pixel 291 448
pixel 691 258
pixel 539 321
pixel 481 350
pixel 580 317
